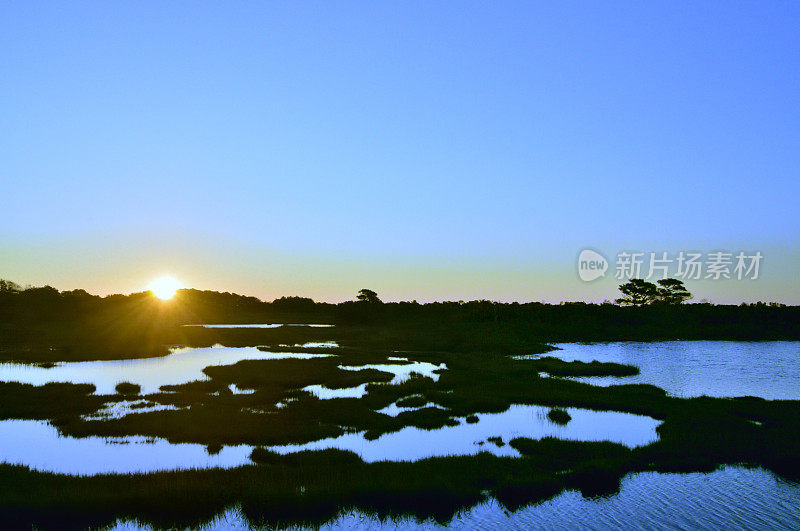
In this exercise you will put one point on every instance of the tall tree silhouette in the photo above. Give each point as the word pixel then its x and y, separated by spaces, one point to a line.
pixel 367 295
pixel 637 292
pixel 672 291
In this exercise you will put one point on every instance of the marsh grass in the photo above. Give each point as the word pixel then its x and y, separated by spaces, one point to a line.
pixel 412 401
pixel 559 416
pixel 45 402
pixel 309 488
pixel 293 373
pixel 557 367
pixel 127 388
pixel 696 434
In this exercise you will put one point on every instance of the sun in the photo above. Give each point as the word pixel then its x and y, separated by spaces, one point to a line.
pixel 164 287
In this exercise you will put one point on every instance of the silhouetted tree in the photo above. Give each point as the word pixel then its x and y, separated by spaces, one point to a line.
pixel 367 295
pixel 637 292
pixel 7 285
pixel 672 291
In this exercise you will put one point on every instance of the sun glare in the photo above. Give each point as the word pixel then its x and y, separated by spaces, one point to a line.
pixel 164 287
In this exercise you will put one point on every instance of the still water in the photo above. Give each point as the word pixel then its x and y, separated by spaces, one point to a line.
pixel 180 366
pixel 39 446
pixel 411 444
pixel 768 369
pixel 729 498
pixel 750 498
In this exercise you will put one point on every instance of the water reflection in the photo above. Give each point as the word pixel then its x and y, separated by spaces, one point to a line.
pixel 115 410
pixel 732 497
pixel 313 344
pixel 326 393
pixel 402 372
pixel 393 409
pixel 729 498
pixel 180 366
pixel 39 446
pixel 410 444
pixel 767 369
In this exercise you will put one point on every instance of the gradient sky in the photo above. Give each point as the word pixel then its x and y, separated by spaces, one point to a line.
pixel 426 150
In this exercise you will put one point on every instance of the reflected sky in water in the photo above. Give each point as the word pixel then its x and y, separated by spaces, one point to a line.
pixel 402 372
pixel 729 498
pixel 38 445
pixel 181 366
pixel 768 369
pixel 687 368
pixel 410 444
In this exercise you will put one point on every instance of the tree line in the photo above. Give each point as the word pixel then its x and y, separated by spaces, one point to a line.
pixel 645 311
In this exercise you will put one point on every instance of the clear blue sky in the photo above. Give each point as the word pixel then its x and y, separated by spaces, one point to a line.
pixel 429 150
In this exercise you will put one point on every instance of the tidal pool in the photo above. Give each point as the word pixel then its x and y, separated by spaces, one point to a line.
pixel 401 372
pixel 411 444
pixel 393 409
pixel 768 369
pixel 180 366
pixel 38 445
pixel 686 368
pixel 326 393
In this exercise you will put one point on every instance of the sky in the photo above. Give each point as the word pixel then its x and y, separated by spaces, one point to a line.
pixel 425 150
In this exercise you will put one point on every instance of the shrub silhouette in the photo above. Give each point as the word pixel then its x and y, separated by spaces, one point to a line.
pixel 127 388
pixel 559 416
